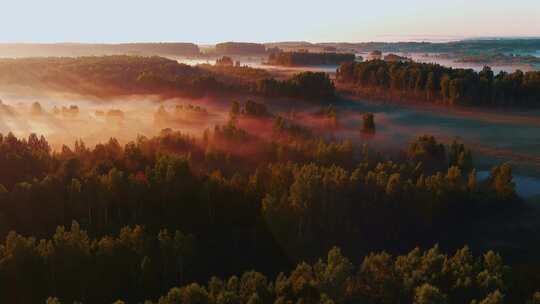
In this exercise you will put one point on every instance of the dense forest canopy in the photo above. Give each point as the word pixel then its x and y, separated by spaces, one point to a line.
pixel 110 76
pixel 315 86
pixel 436 83
pixel 240 48
pixel 101 76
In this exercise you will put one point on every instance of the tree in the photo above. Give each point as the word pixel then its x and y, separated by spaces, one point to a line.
pixel 431 86
pixel 368 123
pixel 492 277
pixel 225 61
pixel 254 299
pixel 501 181
pixel 495 297
pixel 427 294
pixel 427 150
pixel 333 274
pixel 51 300
pixel 36 109
pixel 376 278
pixel 190 294
pixel 235 110
pixel 535 299
pixel 175 251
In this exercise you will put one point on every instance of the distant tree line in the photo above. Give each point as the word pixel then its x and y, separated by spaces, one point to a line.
pixel 469 46
pixel 308 58
pixel 19 50
pixel 435 83
pixel 233 73
pixel 498 59
pixel 240 48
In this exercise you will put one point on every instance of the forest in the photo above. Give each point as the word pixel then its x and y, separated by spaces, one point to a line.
pixel 240 48
pixel 113 76
pixel 270 152
pixel 306 58
pixel 288 218
pixel 517 45
pixel 438 84
pixel 499 59
pixel 16 50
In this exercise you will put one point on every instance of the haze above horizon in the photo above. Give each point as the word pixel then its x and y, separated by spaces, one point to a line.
pixel 207 22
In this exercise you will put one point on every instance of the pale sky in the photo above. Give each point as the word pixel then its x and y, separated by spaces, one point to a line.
pixel 204 21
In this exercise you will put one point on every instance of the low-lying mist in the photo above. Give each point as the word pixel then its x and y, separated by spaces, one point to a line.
pixel 63 121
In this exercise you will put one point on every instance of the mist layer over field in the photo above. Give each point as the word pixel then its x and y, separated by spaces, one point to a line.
pixel 511 136
pixel 63 121
pixel 494 137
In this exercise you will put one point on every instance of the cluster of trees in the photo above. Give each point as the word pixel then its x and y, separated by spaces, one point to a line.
pixel 420 277
pixel 234 73
pixel 255 109
pixel 75 267
pixel 225 61
pixel 230 133
pixel 498 59
pixel 37 110
pixel 307 58
pixel 181 112
pixel 101 76
pixel 191 109
pixel 435 83
pixel 306 85
pixel 71 111
pixel 240 48
pixel 287 129
pixel 394 58
pixel 23 159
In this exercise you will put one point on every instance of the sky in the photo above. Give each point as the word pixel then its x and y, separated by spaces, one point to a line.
pixel 204 21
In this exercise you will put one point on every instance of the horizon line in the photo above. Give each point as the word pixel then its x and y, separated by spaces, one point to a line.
pixel 435 39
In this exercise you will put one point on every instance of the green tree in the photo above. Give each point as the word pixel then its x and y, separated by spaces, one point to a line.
pixel 495 297
pixel 501 181
pixel 427 294
pixel 535 299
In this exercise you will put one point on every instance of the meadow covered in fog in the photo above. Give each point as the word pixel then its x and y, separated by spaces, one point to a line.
pixel 493 136
pixel 62 121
